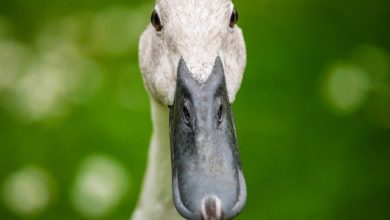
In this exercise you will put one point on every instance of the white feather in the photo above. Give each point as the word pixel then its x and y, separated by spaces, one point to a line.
pixel 198 31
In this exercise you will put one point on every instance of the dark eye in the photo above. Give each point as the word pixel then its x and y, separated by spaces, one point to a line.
pixel 156 22
pixel 233 18
pixel 219 114
pixel 186 114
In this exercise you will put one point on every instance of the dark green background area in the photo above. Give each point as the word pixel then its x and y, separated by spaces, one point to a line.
pixel 304 157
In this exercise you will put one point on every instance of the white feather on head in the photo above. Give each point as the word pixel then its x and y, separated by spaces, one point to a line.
pixel 198 31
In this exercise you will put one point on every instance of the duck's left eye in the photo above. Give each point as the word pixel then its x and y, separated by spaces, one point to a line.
pixel 233 18
pixel 156 22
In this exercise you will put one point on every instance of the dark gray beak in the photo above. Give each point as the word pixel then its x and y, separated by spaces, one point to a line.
pixel 208 183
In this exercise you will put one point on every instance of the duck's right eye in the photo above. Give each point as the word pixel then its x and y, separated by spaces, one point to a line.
pixel 156 22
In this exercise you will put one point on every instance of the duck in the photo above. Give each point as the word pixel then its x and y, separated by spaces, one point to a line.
pixel 192 58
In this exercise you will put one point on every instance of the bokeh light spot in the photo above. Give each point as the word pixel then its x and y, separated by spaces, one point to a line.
pixel 26 192
pixel 13 57
pixel 346 88
pixel 100 185
pixel 53 81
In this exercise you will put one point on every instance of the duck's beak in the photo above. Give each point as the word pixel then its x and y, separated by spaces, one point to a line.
pixel 208 183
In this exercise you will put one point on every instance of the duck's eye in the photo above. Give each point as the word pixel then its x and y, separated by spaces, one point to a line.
pixel 233 18
pixel 156 22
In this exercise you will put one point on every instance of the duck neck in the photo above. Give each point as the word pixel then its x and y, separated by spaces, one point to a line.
pixel 156 194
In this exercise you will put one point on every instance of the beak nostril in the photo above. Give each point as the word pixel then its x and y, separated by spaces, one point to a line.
pixel 186 114
pixel 211 208
pixel 219 114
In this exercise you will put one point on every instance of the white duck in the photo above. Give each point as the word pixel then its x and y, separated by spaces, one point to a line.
pixel 192 59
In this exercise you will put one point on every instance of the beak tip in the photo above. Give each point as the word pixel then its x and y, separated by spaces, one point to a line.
pixel 211 208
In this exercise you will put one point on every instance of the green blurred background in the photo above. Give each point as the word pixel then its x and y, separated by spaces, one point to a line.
pixel 312 115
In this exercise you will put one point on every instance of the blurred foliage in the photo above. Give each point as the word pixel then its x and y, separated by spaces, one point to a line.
pixel 313 113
